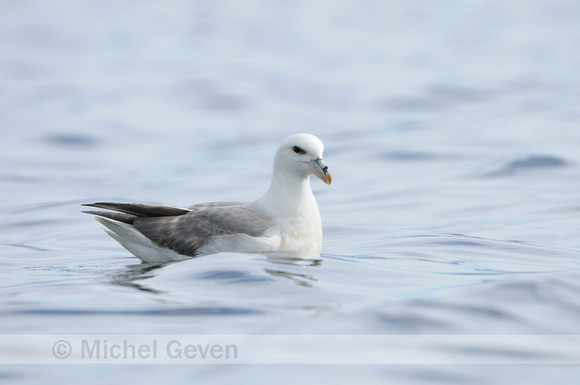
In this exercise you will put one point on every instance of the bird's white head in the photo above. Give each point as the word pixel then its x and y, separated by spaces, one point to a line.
pixel 301 155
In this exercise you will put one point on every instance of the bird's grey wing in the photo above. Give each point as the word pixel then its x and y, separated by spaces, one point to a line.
pixel 187 233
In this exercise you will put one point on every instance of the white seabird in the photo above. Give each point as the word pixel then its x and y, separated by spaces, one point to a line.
pixel 286 217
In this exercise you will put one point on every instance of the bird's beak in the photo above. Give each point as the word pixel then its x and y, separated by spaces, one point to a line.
pixel 321 170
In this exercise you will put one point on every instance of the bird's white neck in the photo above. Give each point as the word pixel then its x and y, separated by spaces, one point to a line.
pixel 289 196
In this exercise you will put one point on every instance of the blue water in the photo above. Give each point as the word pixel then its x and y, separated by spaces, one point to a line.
pixel 451 131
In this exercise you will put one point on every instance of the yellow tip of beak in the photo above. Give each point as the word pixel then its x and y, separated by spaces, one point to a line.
pixel 328 178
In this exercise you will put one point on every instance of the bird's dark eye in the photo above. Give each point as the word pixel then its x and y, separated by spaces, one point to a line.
pixel 298 150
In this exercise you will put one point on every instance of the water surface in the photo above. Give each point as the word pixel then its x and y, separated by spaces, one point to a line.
pixel 451 131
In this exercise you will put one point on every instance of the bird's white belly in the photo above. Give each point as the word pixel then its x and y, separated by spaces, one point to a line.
pixel 302 236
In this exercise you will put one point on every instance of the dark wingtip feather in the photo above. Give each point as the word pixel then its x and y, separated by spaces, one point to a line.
pixel 140 210
pixel 119 217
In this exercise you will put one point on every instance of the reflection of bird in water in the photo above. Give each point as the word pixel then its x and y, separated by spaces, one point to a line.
pixel 299 279
pixel 136 275
pixel 286 217
pixel 288 258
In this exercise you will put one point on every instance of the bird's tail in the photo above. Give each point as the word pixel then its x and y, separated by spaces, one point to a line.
pixel 138 244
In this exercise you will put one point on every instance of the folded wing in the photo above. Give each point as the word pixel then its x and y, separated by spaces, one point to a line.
pixel 199 229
